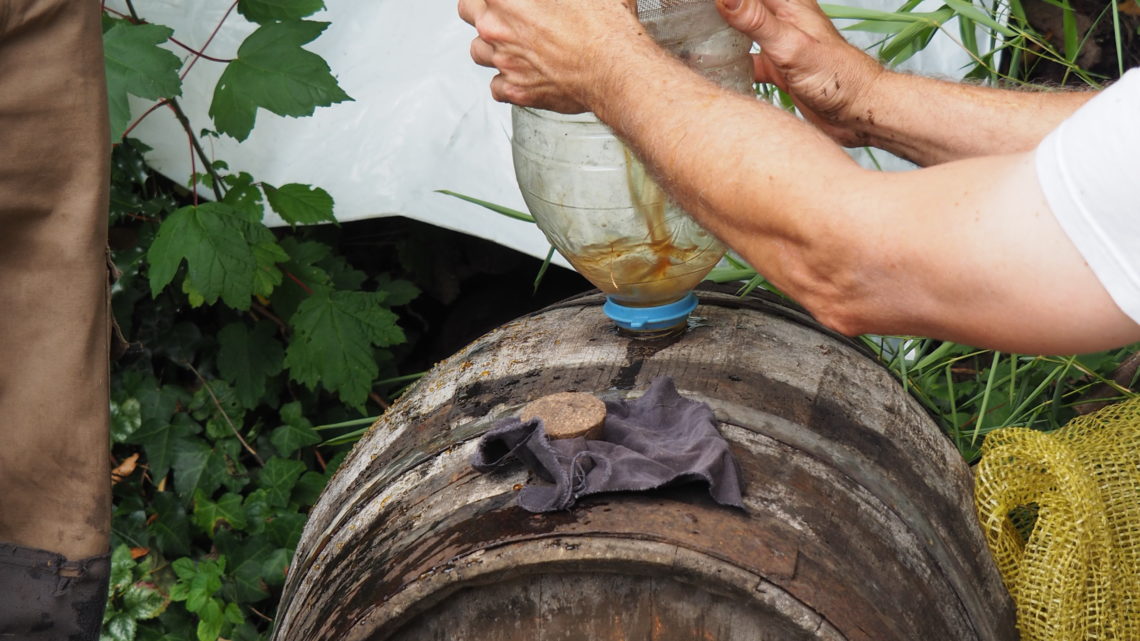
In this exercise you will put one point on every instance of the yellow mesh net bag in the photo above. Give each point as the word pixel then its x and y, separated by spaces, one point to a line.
pixel 1061 514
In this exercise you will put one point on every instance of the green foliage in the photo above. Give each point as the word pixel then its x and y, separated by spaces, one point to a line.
pixel 262 11
pixel 239 336
pixel 273 72
pixel 300 204
pixel 137 65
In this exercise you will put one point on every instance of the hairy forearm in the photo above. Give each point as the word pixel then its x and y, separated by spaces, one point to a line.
pixel 930 121
pixel 965 251
pixel 768 184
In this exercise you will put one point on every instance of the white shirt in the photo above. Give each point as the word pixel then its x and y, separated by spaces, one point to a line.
pixel 1089 169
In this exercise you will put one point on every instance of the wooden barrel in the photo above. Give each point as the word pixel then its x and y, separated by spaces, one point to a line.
pixel 858 521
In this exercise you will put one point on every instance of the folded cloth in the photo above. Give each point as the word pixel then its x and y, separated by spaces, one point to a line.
pixel 659 439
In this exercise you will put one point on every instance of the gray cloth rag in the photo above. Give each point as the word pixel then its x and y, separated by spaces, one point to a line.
pixel 646 443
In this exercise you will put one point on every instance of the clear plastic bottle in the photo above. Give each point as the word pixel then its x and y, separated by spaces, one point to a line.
pixel 595 201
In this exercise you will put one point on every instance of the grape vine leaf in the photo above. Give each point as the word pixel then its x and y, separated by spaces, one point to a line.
pixel 333 340
pixel 136 65
pixel 247 358
pixel 300 204
pixel 262 11
pixel 211 238
pixel 272 71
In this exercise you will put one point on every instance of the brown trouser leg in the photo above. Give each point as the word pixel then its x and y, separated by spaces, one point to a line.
pixel 54 477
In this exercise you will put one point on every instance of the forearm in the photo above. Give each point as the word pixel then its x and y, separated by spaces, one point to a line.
pixel 931 121
pixel 757 177
pixel 966 251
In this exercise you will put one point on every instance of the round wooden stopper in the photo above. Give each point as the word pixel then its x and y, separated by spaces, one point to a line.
pixel 567 414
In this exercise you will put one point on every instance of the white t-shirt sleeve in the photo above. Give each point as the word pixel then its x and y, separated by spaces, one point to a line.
pixel 1089 169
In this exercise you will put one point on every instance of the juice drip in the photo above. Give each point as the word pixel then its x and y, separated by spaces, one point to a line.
pixel 649 271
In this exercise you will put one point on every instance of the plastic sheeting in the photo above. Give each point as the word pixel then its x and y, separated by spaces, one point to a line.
pixel 422 118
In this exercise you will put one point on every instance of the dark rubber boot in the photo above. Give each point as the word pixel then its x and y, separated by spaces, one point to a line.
pixel 43 596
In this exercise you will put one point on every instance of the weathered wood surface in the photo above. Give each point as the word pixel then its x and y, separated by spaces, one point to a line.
pixel 858 525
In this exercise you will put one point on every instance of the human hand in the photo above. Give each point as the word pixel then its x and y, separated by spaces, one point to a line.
pixel 550 53
pixel 802 53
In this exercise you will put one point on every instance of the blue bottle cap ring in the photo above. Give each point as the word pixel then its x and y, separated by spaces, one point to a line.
pixel 648 319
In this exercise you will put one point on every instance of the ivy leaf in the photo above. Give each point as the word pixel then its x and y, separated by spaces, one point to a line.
pixel 273 72
pixel 137 65
pixel 207 513
pixel 248 358
pixel 255 565
pixel 197 466
pixel 309 487
pixel 211 239
pixel 300 204
pixel 333 340
pixel 160 442
pixel 278 477
pixel 262 11
pixel 170 527
pixel 297 432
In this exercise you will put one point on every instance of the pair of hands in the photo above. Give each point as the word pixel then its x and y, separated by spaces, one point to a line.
pixel 553 54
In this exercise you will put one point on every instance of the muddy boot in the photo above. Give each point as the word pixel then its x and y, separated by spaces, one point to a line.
pixel 48 598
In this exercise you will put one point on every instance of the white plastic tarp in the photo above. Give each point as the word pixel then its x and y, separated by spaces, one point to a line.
pixel 422 118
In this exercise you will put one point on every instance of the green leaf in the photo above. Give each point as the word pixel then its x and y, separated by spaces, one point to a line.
pixel 971 12
pixel 248 358
pixel 197 466
pixel 197 581
pixel 122 568
pixel 143 601
pixel 126 418
pixel 170 527
pixel 498 209
pixel 267 253
pixel 300 204
pixel 303 269
pixel 137 65
pixel 334 334
pixel 309 487
pixel 161 441
pixel 262 11
pixel 233 614
pixel 285 529
pixel 273 72
pixel 210 621
pixel 396 292
pixel 278 477
pixel 211 239
pixel 228 509
pixel 121 627
pixel 255 564
pixel 242 194
pixel 297 432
